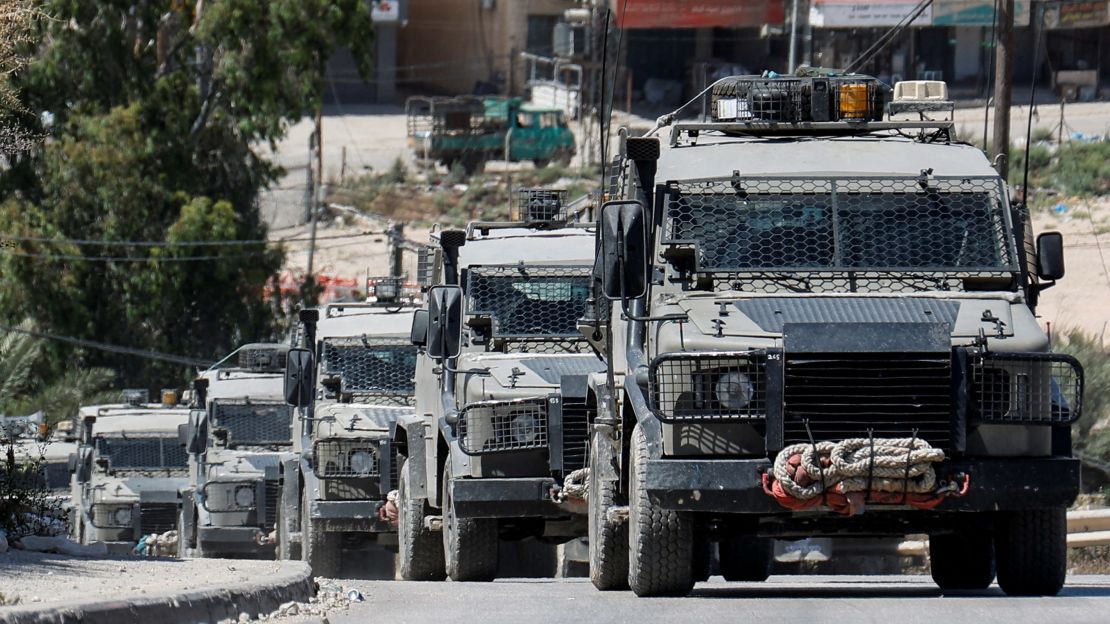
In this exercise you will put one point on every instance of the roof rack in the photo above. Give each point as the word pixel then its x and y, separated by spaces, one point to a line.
pixel 799 128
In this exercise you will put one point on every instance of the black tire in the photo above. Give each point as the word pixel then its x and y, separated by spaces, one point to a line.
pixel 660 541
pixel 470 545
pixel 420 551
pixel 608 540
pixel 320 549
pixel 1031 551
pixel 541 162
pixel 962 561
pixel 747 558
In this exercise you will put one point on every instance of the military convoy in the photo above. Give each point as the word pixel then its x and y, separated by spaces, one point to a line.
pixel 819 309
pixel 345 465
pixel 128 471
pixel 238 435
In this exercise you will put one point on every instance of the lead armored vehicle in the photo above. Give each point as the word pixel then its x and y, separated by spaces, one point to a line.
pixel 128 472
pixel 345 466
pixel 498 443
pixel 239 433
pixel 819 308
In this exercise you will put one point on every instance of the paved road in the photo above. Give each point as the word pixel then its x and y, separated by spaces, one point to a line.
pixel 809 599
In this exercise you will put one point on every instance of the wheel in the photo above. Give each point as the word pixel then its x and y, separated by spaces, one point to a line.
pixel 608 539
pixel 962 561
pixel 469 544
pixel 420 550
pixel 1031 551
pixel 320 549
pixel 541 162
pixel 746 558
pixel 660 541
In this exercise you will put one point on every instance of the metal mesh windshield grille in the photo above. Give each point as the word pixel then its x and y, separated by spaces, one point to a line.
pixel 526 301
pixel 786 226
pixel 378 367
pixel 494 426
pixel 255 423
pixel 142 453
pixel 1027 388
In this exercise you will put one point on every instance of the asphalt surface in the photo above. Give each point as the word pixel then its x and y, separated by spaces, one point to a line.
pixel 809 599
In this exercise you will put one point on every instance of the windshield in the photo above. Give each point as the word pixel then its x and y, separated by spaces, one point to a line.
pixel 254 423
pixel 368 366
pixel 783 225
pixel 529 301
pixel 142 453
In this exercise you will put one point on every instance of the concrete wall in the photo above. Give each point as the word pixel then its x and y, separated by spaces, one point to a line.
pixel 448 46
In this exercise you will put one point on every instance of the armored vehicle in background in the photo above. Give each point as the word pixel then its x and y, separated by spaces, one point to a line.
pixel 128 472
pixel 238 435
pixel 498 442
pixel 345 465
pixel 471 131
pixel 820 309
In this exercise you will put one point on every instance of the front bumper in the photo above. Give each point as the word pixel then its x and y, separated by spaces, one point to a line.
pixel 232 539
pixel 735 486
pixel 354 516
pixel 509 498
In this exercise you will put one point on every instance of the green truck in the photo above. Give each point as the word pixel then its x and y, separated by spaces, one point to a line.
pixel 470 130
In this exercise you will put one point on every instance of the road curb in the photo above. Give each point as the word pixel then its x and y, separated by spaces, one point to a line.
pixel 292 581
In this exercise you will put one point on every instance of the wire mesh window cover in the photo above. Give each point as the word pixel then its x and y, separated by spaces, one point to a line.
pixel 497 426
pixel 254 423
pixel 365 365
pixel 529 301
pixel 142 453
pixel 709 387
pixel 935 225
pixel 346 458
pixel 1030 388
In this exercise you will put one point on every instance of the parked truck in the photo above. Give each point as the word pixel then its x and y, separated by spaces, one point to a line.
pixel 238 435
pixel 496 449
pixel 469 131
pixel 128 471
pixel 820 309
pixel 345 465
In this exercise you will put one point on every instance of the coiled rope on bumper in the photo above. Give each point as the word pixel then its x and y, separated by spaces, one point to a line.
pixel 847 474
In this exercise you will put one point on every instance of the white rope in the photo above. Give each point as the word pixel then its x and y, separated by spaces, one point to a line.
pixel 576 485
pixel 896 465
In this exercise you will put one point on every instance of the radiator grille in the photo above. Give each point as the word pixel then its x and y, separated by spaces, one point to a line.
pixel 843 395
pixel 576 433
pixel 494 426
pixel 347 458
pixel 273 499
pixel 157 517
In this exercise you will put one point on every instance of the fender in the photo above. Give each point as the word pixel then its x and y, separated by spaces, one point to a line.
pixel 409 436
pixel 290 501
pixel 649 424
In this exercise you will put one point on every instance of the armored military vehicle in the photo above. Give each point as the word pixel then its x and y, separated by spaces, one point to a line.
pixel 821 307
pixel 498 443
pixel 345 465
pixel 128 472
pixel 239 433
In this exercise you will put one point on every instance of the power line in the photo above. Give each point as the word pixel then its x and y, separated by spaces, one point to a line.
pixel 157 244
pixel 111 348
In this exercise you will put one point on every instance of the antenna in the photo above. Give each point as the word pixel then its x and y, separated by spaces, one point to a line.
pixel 1038 38
pixel 612 91
pixel 884 40
pixel 602 126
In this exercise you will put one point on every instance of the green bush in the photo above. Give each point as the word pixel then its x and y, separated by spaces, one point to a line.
pixel 1083 168
pixel 1093 354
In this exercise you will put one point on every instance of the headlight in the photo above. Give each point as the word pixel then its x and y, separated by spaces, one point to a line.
pixel 362 462
pixel 734 390
pixel 523 428
pixel 122 516
pixel 244 496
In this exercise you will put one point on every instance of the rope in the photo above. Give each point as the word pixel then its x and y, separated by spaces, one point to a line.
pixel 847 474
pixel 576 485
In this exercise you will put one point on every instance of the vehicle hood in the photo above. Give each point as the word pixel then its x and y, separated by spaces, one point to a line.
pixel 355 420
pixel 235 465
pixel 107 489
pixel 519 375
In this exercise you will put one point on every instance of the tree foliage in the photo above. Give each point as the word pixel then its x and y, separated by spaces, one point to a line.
pixel 154 111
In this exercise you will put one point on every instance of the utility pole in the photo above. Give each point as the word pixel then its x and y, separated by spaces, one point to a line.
pixel 1003 86
pixel 396 238
pixel 792 57
pixel 318 200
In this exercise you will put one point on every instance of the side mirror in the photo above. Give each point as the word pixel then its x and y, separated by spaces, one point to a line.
pixel 1050 256
pixel 444 322
pixel 623 250
pixel 418 335
pixel 298 378
pixel 73 463
pixel 196 441
pixel 87 429
pixel 183 434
